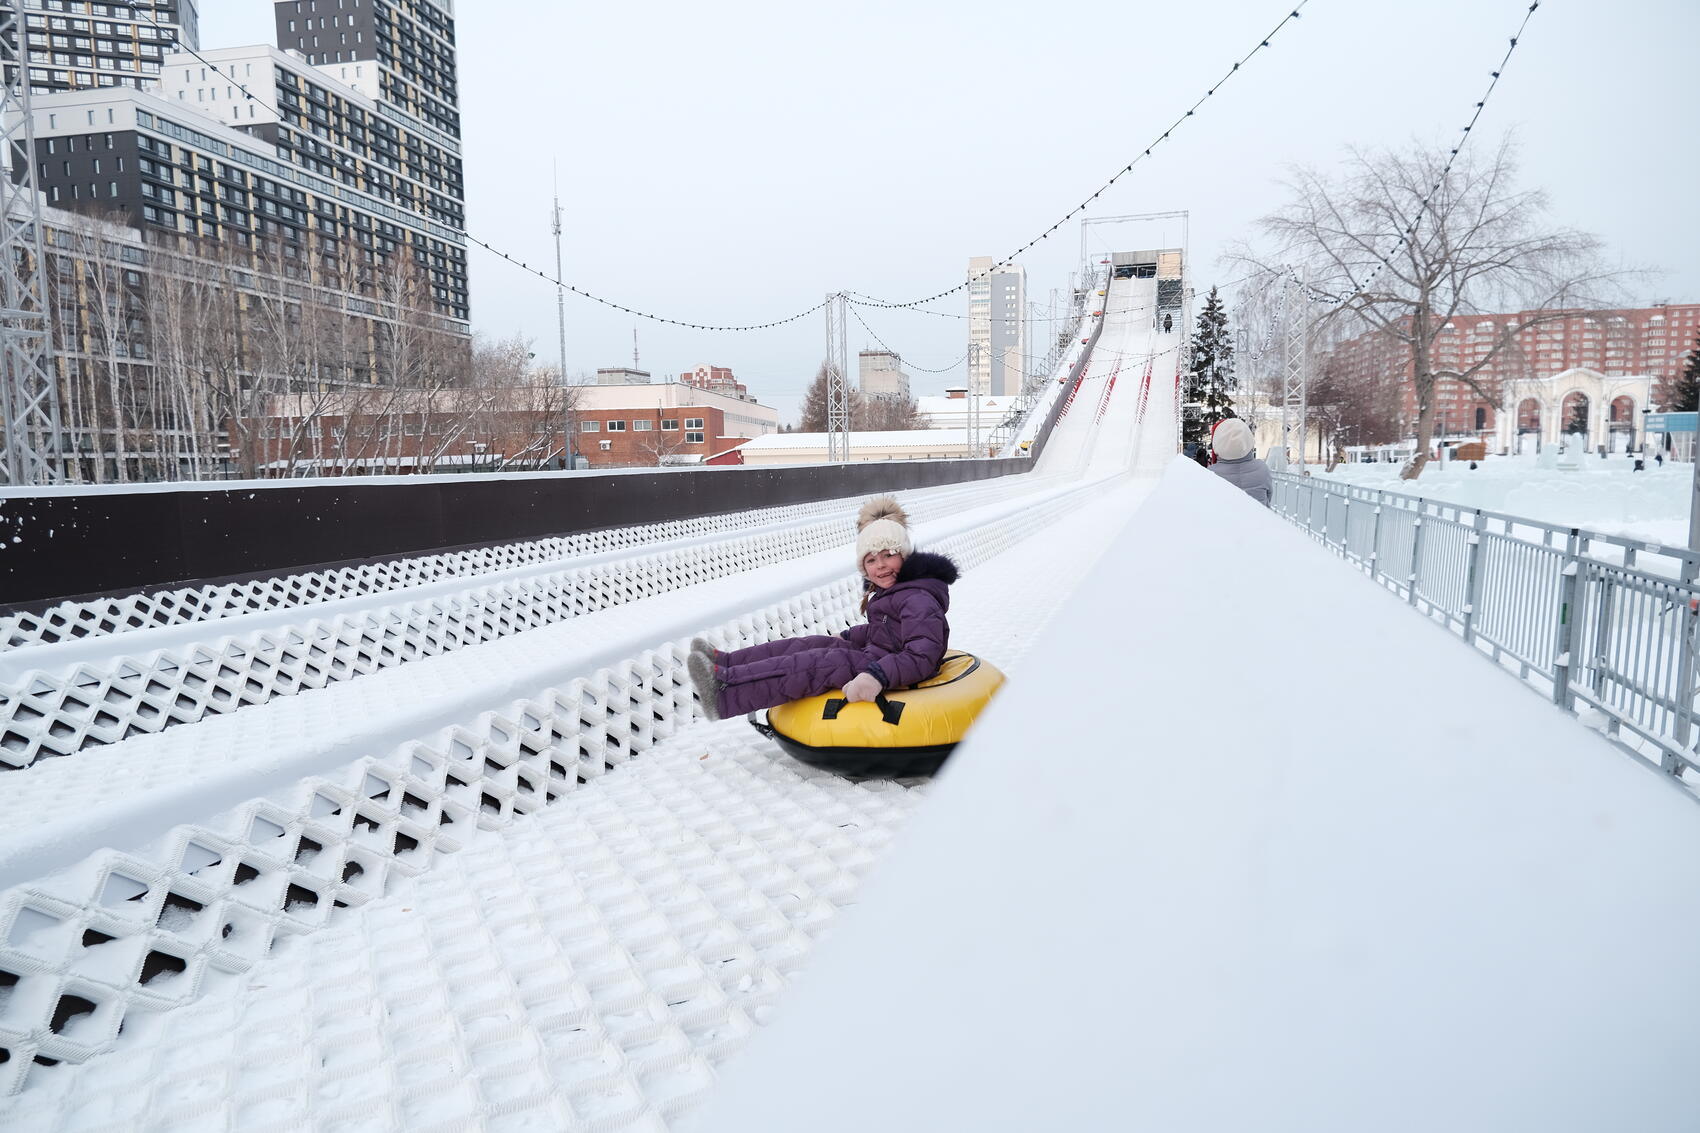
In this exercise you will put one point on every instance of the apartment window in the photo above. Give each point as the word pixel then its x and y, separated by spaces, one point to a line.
pixel 693 438
pixel 693 422
pixel 669 424
pixel 616 426
pixel 590 426
pixel 643 426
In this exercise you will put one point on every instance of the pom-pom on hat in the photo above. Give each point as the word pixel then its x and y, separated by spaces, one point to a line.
pixel 1231 439
pixel 882 525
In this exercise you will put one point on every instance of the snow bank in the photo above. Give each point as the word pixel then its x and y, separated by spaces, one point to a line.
pixel 1602 495
pixel 1236 898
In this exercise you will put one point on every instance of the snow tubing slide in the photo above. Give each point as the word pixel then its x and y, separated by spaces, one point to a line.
pixel 909 732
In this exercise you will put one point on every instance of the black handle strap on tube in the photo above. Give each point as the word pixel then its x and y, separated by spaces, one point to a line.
pixel 890 710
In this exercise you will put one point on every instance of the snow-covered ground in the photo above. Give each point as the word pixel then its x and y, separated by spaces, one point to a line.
pixel 1604 495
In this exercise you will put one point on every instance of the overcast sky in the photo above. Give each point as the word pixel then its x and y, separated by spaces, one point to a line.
pixel 733 162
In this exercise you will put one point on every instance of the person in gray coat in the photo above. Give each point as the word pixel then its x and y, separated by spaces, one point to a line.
pixel 1236 460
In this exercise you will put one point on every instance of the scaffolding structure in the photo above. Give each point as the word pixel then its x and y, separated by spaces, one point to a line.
pixel 29 389
pixel 837 379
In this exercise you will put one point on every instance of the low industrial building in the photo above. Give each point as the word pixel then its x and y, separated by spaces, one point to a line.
pixel 811 448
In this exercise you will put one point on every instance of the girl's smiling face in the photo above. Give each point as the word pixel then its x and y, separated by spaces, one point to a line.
pixel 881 567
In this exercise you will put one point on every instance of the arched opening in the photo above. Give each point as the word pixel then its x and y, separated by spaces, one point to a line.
pixel 1620 424
pixel 1528 426
pixel 1573 417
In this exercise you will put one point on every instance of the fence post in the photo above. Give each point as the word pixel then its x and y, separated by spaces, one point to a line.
pixel 1375 538
pixel 1416 555
pixel 1473 575
pixel 1570 588
pixel 1685 662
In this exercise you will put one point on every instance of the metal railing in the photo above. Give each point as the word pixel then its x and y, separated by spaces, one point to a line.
pixel 1604 625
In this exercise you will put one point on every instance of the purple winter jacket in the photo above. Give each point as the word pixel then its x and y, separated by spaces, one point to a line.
pixel 902 643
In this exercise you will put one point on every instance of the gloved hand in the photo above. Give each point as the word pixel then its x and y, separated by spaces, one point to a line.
pixel 863 687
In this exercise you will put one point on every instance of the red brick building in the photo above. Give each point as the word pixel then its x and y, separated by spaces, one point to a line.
pixel 1653 341
pixel 463 430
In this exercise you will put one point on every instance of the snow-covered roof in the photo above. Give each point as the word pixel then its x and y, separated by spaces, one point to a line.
pixel 893 438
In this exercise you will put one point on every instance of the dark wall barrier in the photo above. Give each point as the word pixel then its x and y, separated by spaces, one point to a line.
pixel 64 544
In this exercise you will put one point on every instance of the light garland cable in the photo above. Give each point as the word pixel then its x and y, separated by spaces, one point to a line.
pixel 582 293
pixel 521 264
pixel 1120 173
pixel 1423 209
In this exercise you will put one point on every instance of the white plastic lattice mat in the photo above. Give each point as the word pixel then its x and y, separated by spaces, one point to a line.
pixel 998 606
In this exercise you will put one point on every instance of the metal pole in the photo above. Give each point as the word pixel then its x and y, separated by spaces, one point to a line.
pixel 1694 500
pixel 561 322
pixel 973 399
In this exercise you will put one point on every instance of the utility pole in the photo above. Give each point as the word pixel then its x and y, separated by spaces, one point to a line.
pixel 974 349
pixel 837 383
pixel 567 438
pixel 29 389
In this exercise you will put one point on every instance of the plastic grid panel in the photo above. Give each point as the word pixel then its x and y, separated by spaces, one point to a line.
pixel 146 932
pixel 588 969
pixel 48 714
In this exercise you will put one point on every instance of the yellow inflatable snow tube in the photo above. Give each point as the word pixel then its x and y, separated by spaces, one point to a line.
pixel 904 732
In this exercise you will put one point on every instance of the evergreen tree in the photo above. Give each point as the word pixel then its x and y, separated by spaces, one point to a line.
pixel 1578 422
pixel 1685 395
pixel 1210 385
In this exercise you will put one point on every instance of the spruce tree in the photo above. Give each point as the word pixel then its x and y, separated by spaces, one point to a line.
pixel 1210 384
pixel 1685 395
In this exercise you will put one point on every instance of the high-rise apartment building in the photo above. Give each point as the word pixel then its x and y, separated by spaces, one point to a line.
pixel 411 44
pixel 331 166
pixel 79 45
pixel 997 327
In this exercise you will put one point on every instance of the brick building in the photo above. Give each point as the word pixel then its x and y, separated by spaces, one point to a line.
pixel 628 426
pixel 516 429
pixel 1652 341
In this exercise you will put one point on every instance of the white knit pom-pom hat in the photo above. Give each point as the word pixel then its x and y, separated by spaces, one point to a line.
pixel 882 525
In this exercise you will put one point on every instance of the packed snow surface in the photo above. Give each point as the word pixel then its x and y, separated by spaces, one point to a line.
pixel 1178 886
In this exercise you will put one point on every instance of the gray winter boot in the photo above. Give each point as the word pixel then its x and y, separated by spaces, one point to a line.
pixel 701 668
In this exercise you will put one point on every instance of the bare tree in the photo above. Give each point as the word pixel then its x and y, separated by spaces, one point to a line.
pixel 1405 244
pixel 889 413
pixel 814 418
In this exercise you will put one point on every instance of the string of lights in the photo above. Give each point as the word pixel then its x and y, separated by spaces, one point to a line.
pixel 853 296
pixel 1426 207
pixel 1119 174
pixel 638 313
pixel 521 264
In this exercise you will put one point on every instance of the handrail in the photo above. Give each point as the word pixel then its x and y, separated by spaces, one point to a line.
pixel 1580 615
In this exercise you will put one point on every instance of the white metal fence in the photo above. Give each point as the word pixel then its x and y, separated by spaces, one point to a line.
pixel 1604 625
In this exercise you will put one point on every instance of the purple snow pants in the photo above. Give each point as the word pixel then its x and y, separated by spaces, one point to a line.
pixel 778 671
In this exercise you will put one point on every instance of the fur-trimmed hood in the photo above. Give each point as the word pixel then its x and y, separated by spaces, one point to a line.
pixel 926 564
